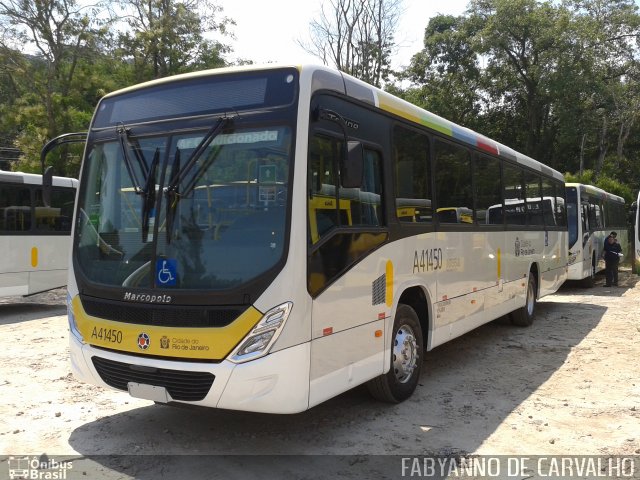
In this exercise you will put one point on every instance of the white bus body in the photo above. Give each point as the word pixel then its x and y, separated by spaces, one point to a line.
pixel 278 272
pixel 592 214
pixel 34 237
pixel 636 237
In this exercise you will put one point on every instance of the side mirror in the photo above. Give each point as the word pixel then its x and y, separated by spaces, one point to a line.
pixel 353 165
pixel 47 184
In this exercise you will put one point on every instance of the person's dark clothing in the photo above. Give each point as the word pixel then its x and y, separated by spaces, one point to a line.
pixel 611 261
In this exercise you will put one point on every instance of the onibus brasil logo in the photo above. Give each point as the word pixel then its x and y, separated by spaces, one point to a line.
pixel 37 468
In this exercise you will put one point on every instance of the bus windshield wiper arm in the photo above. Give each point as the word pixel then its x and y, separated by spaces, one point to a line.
pixel 123 137
pixel 197 152
pixel 149 197
pixel 171 191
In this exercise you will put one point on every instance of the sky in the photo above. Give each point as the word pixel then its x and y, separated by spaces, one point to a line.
pixel 266 30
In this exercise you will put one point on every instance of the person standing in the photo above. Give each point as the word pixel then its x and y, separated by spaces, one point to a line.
pixel 612 252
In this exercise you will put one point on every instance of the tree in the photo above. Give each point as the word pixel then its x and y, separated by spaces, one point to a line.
pixel 63 37
pixel 167 37
pixel 356 36
pixel 445 75
pixel 558 81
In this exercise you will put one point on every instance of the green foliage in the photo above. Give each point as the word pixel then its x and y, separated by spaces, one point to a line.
pixel 80 56
pixel 605 182
pixel 559 81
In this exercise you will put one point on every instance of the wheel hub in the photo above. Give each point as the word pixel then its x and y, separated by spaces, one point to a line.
pixel 405 353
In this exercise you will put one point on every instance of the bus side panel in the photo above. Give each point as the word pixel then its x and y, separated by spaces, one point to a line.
pixel 553 271
pixel 469 263
pixel 46 260
pixel 345 359
pixel 346 350
pixel 14 283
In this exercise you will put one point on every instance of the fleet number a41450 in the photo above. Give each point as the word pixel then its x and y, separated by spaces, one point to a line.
pixel 427 260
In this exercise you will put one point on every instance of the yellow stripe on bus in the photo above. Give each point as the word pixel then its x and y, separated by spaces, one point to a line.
pixel 201 343
pixel 34 257
pixel 389 290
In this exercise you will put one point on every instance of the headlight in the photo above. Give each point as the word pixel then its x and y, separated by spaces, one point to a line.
pixel 73 326
pixel 263 335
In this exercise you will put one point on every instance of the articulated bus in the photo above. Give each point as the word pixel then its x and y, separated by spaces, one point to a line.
pixel 263 239
pixel 33 234
pixel 592 214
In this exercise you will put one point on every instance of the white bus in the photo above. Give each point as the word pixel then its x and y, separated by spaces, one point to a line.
pixel 636 236
pixel 592 214
pixel 34 236
pixel 284 245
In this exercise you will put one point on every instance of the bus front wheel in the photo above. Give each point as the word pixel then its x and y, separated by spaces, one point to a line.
pixel 406 359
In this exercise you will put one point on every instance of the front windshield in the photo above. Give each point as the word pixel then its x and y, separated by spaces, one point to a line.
pixel 221 226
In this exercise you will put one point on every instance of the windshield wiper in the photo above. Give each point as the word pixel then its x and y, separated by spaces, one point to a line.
pixel 149 197
pixel 172 196
pixel 123 137
pixel 178 173
pixel 197 152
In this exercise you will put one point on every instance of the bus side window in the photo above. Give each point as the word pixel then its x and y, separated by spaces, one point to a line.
pixel 453 184
pixel 534 200
pixel 413 185
pixel 514 200
pixel 15 209
pixel 488 191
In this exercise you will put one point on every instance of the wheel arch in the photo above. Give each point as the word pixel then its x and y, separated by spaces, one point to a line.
pixel 417 298
pixel 533 270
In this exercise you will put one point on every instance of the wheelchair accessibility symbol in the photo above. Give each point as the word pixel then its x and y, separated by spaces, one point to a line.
pixel 166 271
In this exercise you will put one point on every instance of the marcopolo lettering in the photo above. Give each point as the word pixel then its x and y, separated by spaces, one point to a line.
pixel 146 298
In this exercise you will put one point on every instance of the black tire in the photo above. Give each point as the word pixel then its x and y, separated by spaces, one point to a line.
pixel 590 281
pixel 523 317
pixel 406 359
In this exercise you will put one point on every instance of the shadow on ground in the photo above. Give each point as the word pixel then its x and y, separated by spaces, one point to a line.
pixel 467 389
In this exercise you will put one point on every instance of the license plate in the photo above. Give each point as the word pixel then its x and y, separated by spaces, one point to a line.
pixel 148 392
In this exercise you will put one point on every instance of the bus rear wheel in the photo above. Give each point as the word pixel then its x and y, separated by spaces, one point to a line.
pixel 523 317
pixel 590 281
pixel 406 359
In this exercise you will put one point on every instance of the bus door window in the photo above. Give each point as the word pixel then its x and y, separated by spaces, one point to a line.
pixel 453 184
pixel 560 208
pixel 326 209
pixel 366 206
pixel 413 185
pixel 585 217
pixel 332 206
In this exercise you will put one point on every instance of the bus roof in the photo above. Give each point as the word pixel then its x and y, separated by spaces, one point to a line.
pixel 325 78
pixel 35 179
pixel 596 191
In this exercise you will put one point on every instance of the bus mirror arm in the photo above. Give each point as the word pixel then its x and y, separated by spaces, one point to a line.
pixel 47 174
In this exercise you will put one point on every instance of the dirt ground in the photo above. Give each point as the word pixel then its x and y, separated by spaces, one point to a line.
pixel 570 384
